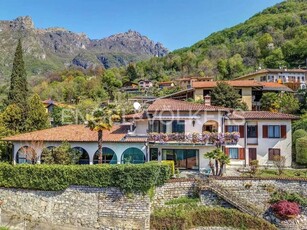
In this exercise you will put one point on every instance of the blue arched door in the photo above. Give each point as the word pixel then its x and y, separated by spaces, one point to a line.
pixel 133 156
pixel 108 156
pixel 84 158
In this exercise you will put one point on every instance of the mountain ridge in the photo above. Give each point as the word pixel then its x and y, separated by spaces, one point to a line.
pixel 55 47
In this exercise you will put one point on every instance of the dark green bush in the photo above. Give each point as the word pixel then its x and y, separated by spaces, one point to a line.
pixel 129 178
pixel 189 216
pixel 301 150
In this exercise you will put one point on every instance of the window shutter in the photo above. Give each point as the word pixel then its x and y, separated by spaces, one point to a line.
pixel 265 131
pixel 241 131
pixel 257 131
pixel 283 129
pixel 241 153
pixel 226 128
pixel 227 151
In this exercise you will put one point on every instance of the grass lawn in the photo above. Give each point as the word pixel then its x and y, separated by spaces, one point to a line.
pixel 291 173
pixel 183 200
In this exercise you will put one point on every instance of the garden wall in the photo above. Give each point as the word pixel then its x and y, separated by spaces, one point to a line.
pixel 82 207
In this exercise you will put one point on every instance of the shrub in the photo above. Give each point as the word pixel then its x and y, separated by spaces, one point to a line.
pixel 301 150
pixel 285 209
pixel 171 165
pixel 183 200
pixel 254 165
pixel 279 162
pixel 283 195
pixel 191 215
pixel 298 134
pixel 63 154
pixel 129 178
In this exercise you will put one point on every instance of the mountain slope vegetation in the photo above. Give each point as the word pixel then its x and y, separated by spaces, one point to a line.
pixel 273 38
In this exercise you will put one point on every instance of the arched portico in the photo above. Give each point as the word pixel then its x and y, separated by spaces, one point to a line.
pixel 26 154
pixel 133 156
pixel 84 158
pixel 108 156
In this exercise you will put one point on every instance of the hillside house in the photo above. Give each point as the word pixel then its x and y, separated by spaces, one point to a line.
pixel 174 130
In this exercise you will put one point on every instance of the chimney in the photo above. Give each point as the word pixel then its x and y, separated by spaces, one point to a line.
pixel 208 100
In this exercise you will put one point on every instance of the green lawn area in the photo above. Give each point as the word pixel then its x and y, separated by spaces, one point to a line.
pixel 183 200
pixel 288 173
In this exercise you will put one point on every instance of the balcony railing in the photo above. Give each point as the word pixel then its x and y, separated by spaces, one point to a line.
pixel 196 138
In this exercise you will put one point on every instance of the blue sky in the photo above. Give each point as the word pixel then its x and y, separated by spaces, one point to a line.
pixel 174 23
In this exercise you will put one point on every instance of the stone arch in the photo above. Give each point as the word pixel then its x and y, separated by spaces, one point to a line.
pixel 210 126
pixel 133 155
pixel 25 154
pixel 84 158
pixel 108 156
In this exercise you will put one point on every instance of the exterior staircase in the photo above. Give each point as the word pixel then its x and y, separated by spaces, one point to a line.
pixel 233 199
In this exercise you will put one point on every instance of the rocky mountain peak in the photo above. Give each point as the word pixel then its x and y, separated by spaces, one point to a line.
pixel 23 22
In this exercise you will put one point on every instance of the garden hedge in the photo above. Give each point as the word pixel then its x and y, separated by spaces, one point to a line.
pixel 129 178
pixel 301 150
pixel 190 216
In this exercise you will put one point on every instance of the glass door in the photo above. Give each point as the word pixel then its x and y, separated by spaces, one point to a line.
pixel 183 158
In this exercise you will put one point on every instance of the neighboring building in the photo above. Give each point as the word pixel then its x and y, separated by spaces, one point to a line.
pixel 145 84
pixel 49 105
pixel 175 130
pixel 166 84
pixel 293 78
pixel 250 90
pixel 186 82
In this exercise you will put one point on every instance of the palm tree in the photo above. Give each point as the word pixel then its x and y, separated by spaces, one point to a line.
pixel 221 159
pixel 101 120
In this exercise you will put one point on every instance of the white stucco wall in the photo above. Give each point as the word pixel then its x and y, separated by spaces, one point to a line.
pixel 263 144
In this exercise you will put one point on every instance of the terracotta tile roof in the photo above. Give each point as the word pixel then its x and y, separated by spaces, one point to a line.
pixel 135 116
pixel 176 105
pixel 72 133
pixel 212 84
pixel 266 71
pixel 134 139
pixel 261 115
pixel 268 86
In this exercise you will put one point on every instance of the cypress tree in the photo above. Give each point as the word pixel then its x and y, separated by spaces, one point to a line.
pixel 18 91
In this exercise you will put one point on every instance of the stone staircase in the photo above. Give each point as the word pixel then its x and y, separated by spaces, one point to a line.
pixel 233 199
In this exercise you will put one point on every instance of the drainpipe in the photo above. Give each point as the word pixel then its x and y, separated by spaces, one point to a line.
pixel 245 142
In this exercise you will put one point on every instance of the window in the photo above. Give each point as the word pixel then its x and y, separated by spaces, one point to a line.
pixel 274 131
pixel 272 153
pixel 252 131
pixel 158 126
pixel 178 126
pixel 154 154
pixel 233 153
pixel 233 128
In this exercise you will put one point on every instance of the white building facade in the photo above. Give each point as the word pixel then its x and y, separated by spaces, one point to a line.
pixel 174 130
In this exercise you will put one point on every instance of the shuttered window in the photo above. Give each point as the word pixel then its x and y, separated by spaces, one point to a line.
pixel 272 153
pixel 274 131
pixel 233 153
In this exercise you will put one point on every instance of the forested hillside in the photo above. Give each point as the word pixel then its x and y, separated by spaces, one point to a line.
pixel 273 38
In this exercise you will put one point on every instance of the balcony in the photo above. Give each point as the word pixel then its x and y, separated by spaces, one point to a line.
pixel 206 138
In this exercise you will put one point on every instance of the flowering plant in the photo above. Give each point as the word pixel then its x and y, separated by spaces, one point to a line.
pixel 286 209
pixel 201 138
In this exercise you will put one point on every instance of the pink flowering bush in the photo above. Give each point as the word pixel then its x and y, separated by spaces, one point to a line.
pixel 200 138
pixel 286 209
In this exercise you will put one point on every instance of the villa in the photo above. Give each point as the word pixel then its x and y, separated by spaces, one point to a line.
pixel 173 130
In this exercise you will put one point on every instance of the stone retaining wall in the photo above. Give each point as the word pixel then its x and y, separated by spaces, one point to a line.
pixel 173 189
pixel 83 207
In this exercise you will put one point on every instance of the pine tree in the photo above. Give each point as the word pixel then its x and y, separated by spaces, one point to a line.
pixel 18 91
pixel 37 117
pixel 225 95
pixel 131 72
